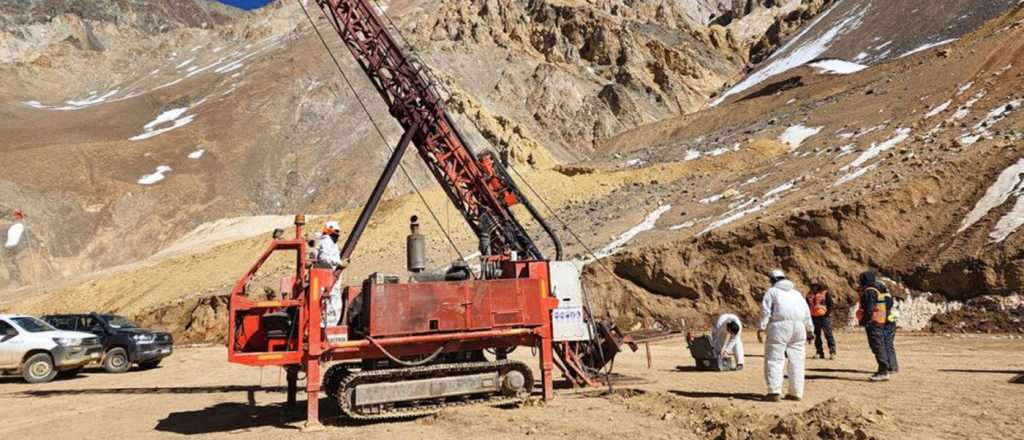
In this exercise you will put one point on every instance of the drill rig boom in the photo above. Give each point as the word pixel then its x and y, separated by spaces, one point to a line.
pixel 407 349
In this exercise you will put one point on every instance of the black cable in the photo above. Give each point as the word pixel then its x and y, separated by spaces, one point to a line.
pixel 398 361
pixel 376 127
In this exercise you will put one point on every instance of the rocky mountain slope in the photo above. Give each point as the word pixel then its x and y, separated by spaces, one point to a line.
pixel 818 160
pixel 128 124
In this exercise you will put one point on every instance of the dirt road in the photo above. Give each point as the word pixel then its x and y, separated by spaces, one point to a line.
pixel 948 388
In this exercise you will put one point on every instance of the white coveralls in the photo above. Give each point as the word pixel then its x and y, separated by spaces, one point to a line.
pixel 330 255
pixel 787 320
pixel 735 344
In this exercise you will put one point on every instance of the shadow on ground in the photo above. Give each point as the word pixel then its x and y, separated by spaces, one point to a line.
pixel 239 417
pixel 826 377
pixel 717 395
pixel 839 370
pixel 1017 379
pixel 154 390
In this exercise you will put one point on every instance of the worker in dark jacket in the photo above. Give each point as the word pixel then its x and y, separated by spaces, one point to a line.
pixel 875 306
pixel 819 300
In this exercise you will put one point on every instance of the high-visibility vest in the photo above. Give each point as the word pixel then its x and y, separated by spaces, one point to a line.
pixel 817 303
pixel 880 315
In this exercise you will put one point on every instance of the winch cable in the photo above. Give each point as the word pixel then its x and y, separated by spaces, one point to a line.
pixel 380 133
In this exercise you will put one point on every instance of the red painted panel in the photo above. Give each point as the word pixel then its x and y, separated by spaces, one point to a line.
pixel 424 308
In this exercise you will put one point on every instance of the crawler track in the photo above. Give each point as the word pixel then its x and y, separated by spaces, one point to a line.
pixel 341 384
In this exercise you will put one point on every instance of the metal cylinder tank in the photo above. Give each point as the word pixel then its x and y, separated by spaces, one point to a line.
pixel 415 247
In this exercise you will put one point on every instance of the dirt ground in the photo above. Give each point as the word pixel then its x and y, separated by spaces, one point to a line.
pixel 949 387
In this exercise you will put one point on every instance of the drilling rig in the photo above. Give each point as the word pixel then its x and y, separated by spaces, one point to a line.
pixel 405 348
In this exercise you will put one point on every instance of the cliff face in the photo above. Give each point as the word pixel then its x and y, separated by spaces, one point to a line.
pixel 572 74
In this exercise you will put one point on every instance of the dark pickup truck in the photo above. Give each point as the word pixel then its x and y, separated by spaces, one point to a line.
pixel 124 343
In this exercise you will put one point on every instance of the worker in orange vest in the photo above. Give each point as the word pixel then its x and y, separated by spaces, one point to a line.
pixel 819 300
pixel 875 306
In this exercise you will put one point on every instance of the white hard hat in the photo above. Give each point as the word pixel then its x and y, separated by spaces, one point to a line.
pixel 778 273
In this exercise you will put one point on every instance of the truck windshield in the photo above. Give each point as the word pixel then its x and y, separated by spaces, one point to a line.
pixel 32 325
pixel 117 321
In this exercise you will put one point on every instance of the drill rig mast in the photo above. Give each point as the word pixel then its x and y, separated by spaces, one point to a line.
pixel 408 349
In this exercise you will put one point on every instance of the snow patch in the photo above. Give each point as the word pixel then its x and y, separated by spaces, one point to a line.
pixel 1007 184
pixel 157 176
pixel 838 67
pixel 853 175
pixel 173 117
pixel 796 135
pixel 779 190
pixel 981 129
pixel 874 150
pixel 799 56
pixel 646 225
pixel 691 155
pixel 941 108
pixel 195 155
pixel 718 151
pixel 730 217
pixel 928 46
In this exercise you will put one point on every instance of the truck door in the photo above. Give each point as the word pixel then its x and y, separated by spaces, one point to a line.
pixel 9 347
pixel 91 324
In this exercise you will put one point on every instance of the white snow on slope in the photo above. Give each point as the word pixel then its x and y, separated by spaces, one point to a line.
pixel 730 216
pixel 797 134
pixel 1007 184
pixel 874 150
pixel 838 67
pixel 644 226
pixel 691 155
pixel 1010 222
pixel 157 176
pixel 14 234
pixel 779 190
pixel 928 46
pixel 801 55
pixel 853 175
pixel 196 154
pixel 174 117
pixel 941 108
pixel 981 129
pixel 684 225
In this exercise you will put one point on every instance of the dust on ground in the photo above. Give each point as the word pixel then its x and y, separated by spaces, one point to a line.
pixel 951 388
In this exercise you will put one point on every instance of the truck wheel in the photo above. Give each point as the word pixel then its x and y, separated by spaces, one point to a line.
pixel 116 361
pixel 149 365
pixel 38 369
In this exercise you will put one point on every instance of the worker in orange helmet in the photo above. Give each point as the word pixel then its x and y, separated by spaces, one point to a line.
pixel 819 299
pixel 329 255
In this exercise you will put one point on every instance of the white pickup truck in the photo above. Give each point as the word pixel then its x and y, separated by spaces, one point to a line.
pixel 38 351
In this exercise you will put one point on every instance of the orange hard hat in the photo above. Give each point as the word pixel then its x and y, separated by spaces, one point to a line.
pixel 18 214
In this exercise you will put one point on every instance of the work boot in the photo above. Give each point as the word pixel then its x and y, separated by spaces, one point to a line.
pixel 774 397
pixel 793 397
pixel 879 377
pixel 739 367
pixel 832 356
pixel 819 356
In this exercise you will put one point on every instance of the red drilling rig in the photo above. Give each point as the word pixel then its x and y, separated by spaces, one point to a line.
pixel 410 348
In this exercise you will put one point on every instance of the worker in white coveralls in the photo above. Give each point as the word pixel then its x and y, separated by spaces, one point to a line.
pixel 787 320
pixel 329 255
pixel 725 338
